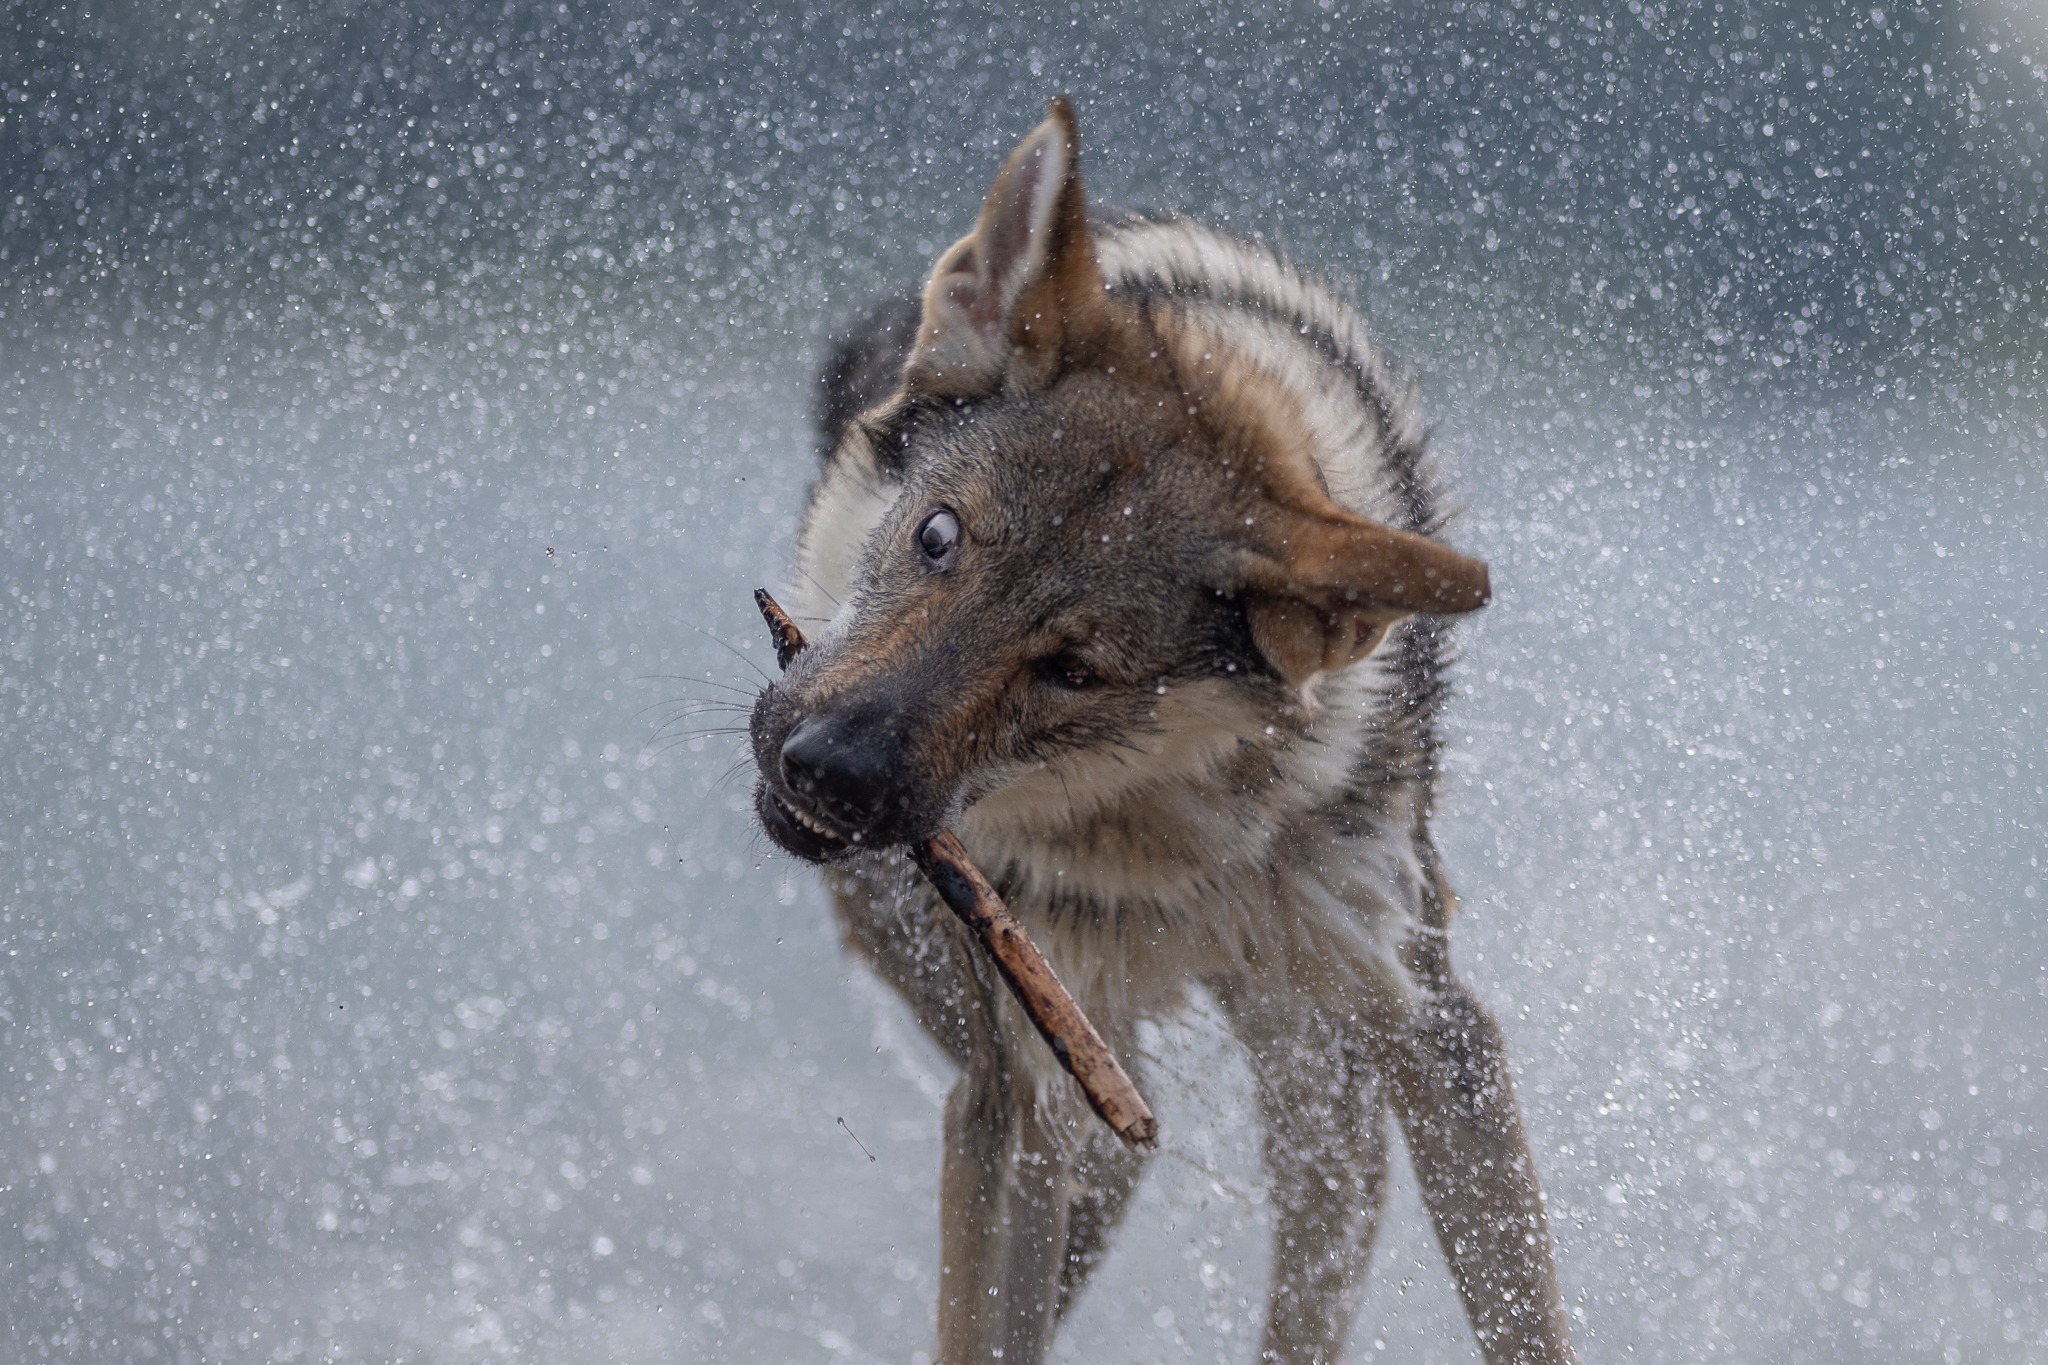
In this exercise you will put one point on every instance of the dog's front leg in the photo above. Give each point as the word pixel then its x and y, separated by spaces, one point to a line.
pixel 1106 1174
pixel 1003 1201
pixel 1448 1074
pixel 978 1137
pixel 1326 1155
pixel 1035 1217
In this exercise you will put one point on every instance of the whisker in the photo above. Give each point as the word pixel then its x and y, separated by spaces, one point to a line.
pixel 705 682
pixel 661 744
pixel 736 653
pixel 701 705
pixel 704 733
pixel 693 713
pixel 680 742
pixel 822 588
pixel 682 717
pixel 738 765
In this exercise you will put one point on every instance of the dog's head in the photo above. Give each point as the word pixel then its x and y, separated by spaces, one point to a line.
pixel 1100 507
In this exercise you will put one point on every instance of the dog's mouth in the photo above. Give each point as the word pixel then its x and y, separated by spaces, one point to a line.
pixel 800 832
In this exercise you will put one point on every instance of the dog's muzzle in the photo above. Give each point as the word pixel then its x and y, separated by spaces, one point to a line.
pixel 837 782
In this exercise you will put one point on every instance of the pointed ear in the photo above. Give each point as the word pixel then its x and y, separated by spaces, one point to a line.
pixel 1022 290
pixel 1323 587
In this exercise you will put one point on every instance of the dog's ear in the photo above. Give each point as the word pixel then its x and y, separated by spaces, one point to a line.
pixel 1010 300
pixel 1321 588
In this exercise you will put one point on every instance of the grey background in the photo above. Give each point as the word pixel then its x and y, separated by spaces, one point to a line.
pixel 396 407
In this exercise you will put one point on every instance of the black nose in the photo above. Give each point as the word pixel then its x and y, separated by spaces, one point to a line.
pixel 843 769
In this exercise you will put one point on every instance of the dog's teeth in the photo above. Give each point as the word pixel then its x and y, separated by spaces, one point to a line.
pixel 807 822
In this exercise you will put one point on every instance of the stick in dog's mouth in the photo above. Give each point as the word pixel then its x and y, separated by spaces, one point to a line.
pixel 968 894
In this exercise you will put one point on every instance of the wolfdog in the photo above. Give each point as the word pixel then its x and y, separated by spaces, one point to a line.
pixel 1127 552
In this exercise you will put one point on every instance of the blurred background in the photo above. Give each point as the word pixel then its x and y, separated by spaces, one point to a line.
pixel 397 403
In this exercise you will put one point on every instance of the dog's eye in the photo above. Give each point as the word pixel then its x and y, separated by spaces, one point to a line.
pixel 1065 669
pixel 939 536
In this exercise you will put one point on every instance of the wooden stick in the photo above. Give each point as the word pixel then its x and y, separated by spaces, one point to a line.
pixel 968 894
pixel 789 637
pixel 1059 1019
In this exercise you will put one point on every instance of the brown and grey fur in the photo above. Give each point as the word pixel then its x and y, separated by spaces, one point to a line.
pixel 1175 684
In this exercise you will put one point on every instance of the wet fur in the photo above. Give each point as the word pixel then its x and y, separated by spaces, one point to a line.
pixel 1208 817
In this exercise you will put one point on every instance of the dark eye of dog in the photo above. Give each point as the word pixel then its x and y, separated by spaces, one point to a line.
pixel 939 536
pixel 1065 669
